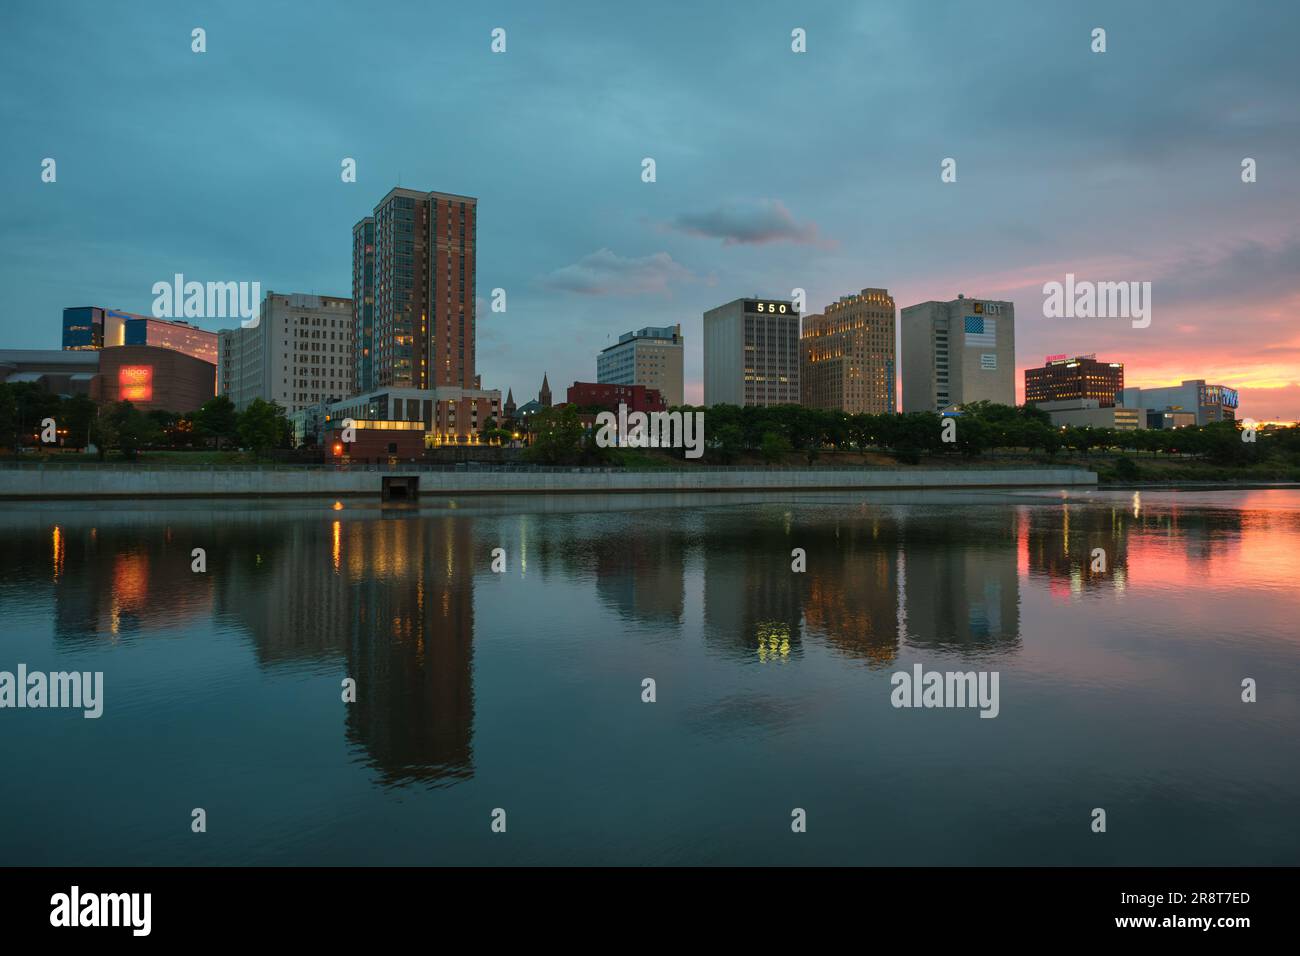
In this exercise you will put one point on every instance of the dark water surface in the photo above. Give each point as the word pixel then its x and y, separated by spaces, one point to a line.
pixel 476 690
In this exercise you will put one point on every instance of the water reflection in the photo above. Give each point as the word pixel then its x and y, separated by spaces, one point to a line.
pixel 388 596
pixel 702 594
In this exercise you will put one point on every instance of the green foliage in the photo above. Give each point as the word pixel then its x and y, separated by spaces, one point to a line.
pixel 775 447
pixel 128 429
pixel 217 420
pixel 557 436
pixel 1126 469
pixel 262 426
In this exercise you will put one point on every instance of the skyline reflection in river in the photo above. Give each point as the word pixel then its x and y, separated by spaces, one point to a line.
pixel 1120 688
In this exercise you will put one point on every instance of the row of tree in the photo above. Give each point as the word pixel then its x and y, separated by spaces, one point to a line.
pixel 79 422
pixel 559 437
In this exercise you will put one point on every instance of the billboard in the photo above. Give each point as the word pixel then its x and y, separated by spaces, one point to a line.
pixel 1218 395
pixel 135 383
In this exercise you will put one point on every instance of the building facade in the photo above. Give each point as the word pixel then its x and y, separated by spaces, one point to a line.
pixel 1167 419
pixel 152 377
pixel 299 353
pixel 607 396
pixel 60 371
pixel 448 415
pixel 373 441
pixel 652 357
pixel 90 327
pixel 1090 412
pixel 421 265
pixel 957 352
pixel 363 303
pixel 1064 379
pixel 847 355
pixel 1210 403
pixel 751 353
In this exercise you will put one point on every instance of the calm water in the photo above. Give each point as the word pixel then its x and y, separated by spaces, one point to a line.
pixel 522 690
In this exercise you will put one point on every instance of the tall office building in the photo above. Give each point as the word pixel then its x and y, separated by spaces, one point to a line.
pixel 90 327
pixel 958 352
pixel 1064 379
pixel 1209 403
pixel 651 357
pixel 751 353
pixel 299 354
pixel 846 360
pixel 363 303
pixel 421 263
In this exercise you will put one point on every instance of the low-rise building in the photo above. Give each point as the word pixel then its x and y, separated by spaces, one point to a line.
pixel 637 398
pixel 1210 403
pixel 449 415
pixel 1168 419
pixel 373 440
pixel 1089 412
pixel 58 371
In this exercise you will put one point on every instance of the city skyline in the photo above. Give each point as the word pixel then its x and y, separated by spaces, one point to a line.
pixel 1110 187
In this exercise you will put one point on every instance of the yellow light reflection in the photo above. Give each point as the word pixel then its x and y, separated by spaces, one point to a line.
pixel 773 642
pixel 58 546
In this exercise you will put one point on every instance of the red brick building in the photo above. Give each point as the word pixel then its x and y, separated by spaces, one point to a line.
pixel 374 441
pixel 637 398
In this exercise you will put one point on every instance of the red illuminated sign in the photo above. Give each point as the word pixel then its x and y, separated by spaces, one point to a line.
pixel 135 383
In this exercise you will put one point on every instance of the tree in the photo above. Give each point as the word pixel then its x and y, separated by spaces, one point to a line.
pixel 217 419
pixel 77 416
pixel 127 429
pixel 557 436
pixel 775 447
pixel 8 417
pixel 103 432
pixel 727 441
pixel 261 426
pixel 33 404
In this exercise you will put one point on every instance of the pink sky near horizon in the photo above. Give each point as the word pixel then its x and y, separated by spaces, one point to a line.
pixel 1251 346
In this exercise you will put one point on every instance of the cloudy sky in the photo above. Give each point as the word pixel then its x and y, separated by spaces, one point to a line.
pixel 775 170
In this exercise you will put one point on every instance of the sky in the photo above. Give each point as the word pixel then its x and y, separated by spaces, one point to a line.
pixel 774 170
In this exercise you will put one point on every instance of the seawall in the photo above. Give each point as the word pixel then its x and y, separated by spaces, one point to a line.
pixel 110 482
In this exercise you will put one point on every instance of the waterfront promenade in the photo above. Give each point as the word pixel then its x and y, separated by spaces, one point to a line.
pixel 408 481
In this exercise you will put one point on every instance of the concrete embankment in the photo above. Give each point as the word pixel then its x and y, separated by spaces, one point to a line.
pixel 394 482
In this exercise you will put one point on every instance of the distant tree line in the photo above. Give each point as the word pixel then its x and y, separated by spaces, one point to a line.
pixel 124 428
pixel 774 432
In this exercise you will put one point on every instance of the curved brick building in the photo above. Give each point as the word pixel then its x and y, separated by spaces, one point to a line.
pixel 151 377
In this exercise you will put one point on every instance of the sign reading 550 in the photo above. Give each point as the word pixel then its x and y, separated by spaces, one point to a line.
pixel 775 308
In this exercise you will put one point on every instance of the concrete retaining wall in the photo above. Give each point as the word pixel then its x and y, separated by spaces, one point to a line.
pixel 91 482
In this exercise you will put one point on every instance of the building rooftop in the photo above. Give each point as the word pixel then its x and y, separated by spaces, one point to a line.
pixel 76 358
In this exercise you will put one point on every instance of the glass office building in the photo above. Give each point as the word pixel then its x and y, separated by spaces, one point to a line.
pixel 90 327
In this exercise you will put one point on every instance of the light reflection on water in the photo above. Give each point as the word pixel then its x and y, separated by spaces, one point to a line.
pixel 1120 688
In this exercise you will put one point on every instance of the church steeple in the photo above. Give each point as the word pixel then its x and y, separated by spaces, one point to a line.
pixel 544 396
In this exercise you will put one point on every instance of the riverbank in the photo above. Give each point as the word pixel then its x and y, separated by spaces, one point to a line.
pixel 396 482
